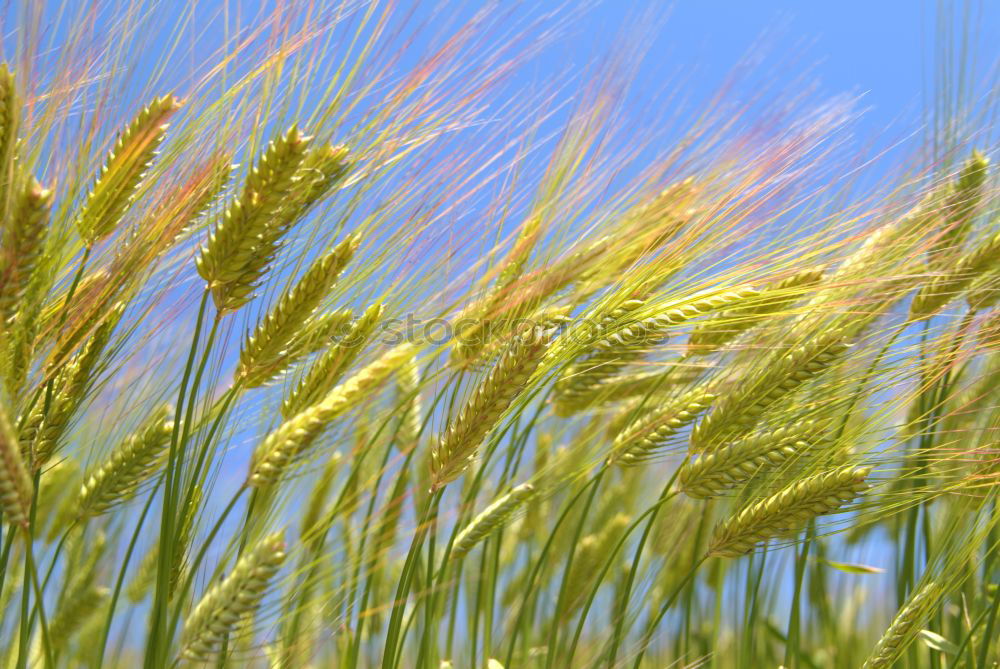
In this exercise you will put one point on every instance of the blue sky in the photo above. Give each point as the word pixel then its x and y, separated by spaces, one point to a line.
pixel 884 49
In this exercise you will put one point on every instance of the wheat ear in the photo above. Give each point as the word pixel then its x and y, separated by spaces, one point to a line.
pixel 787 511
pixel 232 600
pixel 135 460
pixel 241 247
pixel 490 519
pixel 505 381
pixel 264 353
pixel 123 170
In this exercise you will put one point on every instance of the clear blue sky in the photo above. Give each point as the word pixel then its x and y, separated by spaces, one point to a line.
pixel 883 49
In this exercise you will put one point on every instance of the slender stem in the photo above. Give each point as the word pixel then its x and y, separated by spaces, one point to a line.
pixel 564 584
pixel 655 622
pixel 155 653
pixel 529 586
pixel 651 513
pixel 109 619
pixel 405 579
pixel 792 643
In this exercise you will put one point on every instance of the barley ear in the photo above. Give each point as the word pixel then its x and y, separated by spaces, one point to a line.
pixel 951 283
pixel 330 367
pixel 244 241
pixel 640 441
pixel 739 411
pixel 124 169
pixel 286 444
pixel 10 113
pixel 490 519
pixel 505 382
pixel 232 600
pixel 132 462
pixel 787 511
pixel 904 627
pixel 16 489
pixel 23 242
pixel 265 352
pixel 715 472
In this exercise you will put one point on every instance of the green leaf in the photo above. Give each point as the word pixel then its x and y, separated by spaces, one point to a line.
pixel 935 641
pixel 854 568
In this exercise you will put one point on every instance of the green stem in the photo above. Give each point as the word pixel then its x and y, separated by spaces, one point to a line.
pixel 792 644
pixel 155 651
pixel 647 638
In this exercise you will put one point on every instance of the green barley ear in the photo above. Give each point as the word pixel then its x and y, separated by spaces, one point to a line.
pixel 23 241
pixel 328 369
pixel 76 606
pixel 43 429
pixel 226 604
pixel 317 333
pixel 265 352
pixel 505 382
pixel 124 169
pixel 16 489
pixel 949 285
pixel 639 441
pixel 737 412
pixel 491 519
pixel 623 339
pixel 133 462
pixel 320 491
pixel 959 207
pixel 282 447
pixel 787 511
pixel 408 397
pixel 240 249
pixel 323 169
pixel 717 332
pixel 715 472
pixel 904 627
pixel 10 113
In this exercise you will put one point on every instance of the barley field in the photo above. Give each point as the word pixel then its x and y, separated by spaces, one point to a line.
pixel 329 350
